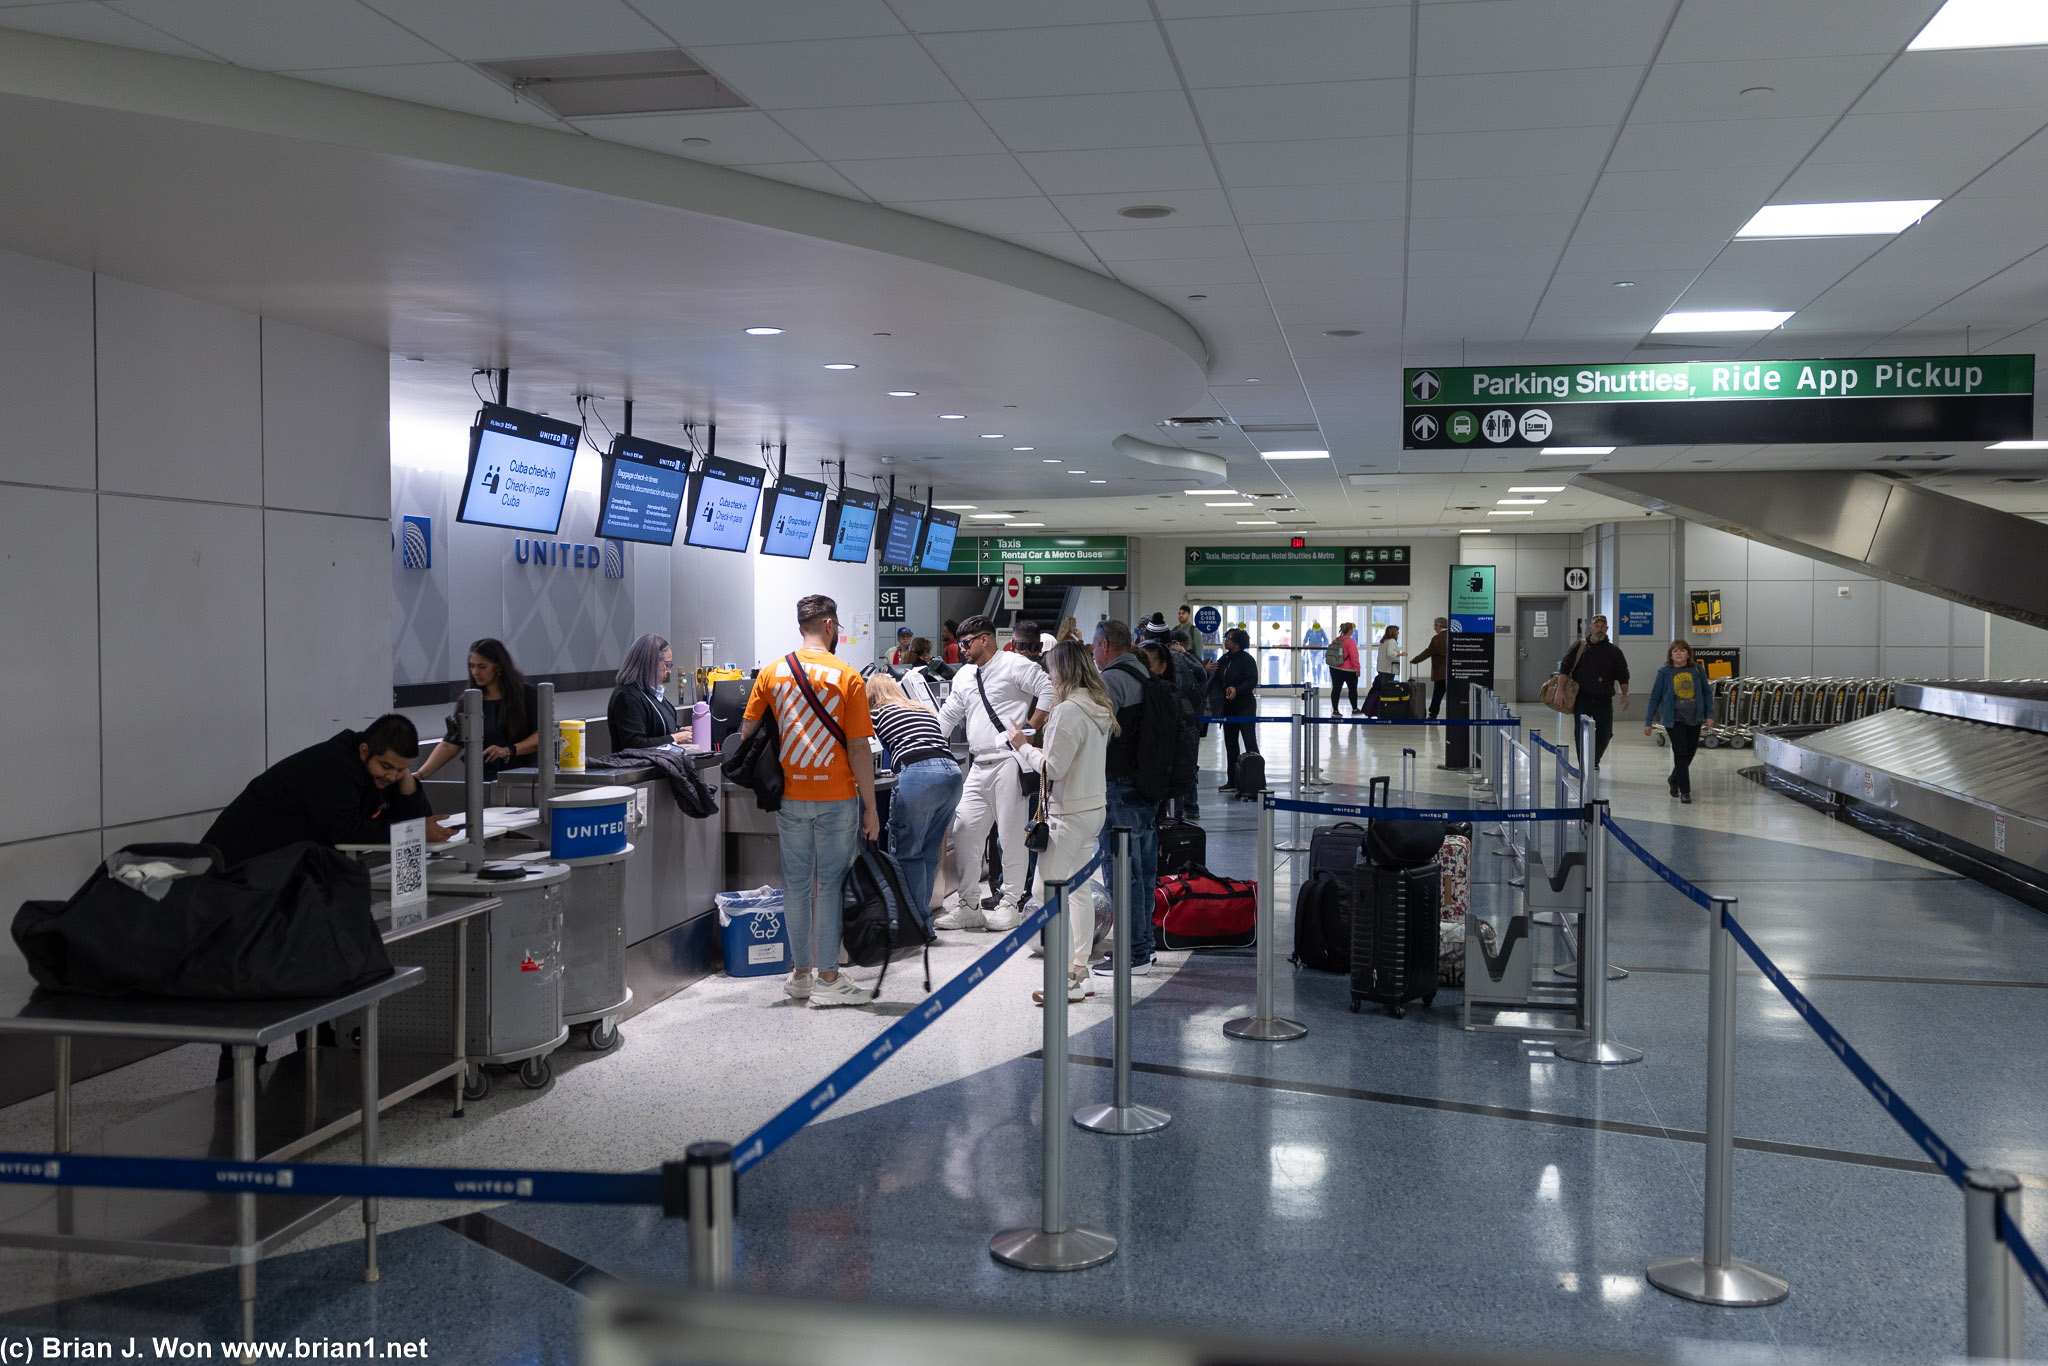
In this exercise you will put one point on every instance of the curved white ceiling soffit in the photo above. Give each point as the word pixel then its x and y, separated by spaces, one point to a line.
pixel 73 72
pixel 1200 464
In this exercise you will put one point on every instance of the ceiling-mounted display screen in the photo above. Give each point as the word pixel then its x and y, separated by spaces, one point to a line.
pixel 850 522
pixel 723 496
pixel 518 470
pixel 644 483
pixel 790 525
pixel 937 554
pixel 899 539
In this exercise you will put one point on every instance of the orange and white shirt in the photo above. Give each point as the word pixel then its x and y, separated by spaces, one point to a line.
pixel 814 764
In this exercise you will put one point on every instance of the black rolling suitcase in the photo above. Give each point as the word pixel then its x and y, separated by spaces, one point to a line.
pixel 1182 845
pixel 1251 777
pixel 1397 701
pixel 1397 894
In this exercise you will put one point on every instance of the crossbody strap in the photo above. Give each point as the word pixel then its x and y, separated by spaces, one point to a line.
pixel 989 707
pixel 803 680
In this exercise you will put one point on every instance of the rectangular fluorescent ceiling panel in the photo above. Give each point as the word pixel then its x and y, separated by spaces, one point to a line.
pixel 1984 23
pixel 1295 455
pixel 989 517
pixel 1521 500
pixel 1229 505
pixel 667 80
pixel 1518 512
pixel 1870 218
pixel 1257 521
pixel 1536 488
pixel 2018 446
pixel 1576 450
pixel 1210 493
pixel 957 507
pixel 1722 320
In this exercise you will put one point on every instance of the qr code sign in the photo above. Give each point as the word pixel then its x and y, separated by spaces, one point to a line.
pixel 408 862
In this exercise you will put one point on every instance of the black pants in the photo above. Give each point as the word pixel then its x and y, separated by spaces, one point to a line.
pixel 1340 679
pixel 1234 735
pixel 1601 709
pixel 1685 742
pixel 1436 696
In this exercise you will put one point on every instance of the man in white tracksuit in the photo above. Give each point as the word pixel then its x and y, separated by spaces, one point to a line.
pixel 1017 691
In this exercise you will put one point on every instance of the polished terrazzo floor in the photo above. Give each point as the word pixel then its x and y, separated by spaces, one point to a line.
pixel 1380 1179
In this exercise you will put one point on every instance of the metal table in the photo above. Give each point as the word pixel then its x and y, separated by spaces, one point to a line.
pixel 192 1226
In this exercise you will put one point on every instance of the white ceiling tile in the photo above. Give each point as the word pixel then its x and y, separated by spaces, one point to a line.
pixel 826 75
pixel 1690 232
pixel 1537 35
pixel 896 179
pixel 1193 209
pixel 1115 170
pixel 1493 195
pixel 2023 175
pixel 1776 143
pixel 1314 162
pixel 1055 123
pixel 1340 266
pixel 1287 49
pixel 1203 9
pixel 1776 274
pixel 1734 30
pixel 693 23
pixel 1189 275
pixel 1640 254
pixel 1162 244
pixel 1067 246
pixel 812 175
pixel 1524 265
pixel 95 23
pixel 1304 239
pixel 1510 152
pixel 1595 97
pixel 444 85
pixel 1272 113
pixel 1092 59
pixel 1906 178
pixel 1972 137
pixel 2010 78
pixel 1353 296
pixel 892 130
pixel 1593 292
pixel 1787 88
pixel 1489 234
pixel 485 30
pixel 1317 203
pixel 737 136
pixel 943 16
pixel 322 33
pixel 1724 190
pixel 1003 217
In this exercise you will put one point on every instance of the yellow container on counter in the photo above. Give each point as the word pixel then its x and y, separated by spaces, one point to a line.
pixel 571 760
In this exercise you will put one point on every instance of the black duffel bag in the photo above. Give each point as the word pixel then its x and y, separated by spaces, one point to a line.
pixel 168 920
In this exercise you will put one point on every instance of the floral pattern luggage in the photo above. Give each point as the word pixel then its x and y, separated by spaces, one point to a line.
pixel 1454 865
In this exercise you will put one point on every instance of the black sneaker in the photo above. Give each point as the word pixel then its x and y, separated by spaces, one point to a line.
pixel 1685 799
pixel 1105 966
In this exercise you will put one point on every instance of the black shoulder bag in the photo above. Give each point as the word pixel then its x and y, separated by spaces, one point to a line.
pixel 1027 781
pixel 803 680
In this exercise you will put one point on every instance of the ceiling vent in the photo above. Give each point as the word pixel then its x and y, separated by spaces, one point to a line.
pixel 1280 427
pixel 665 81
pixel 1916 458
pixel 1196 422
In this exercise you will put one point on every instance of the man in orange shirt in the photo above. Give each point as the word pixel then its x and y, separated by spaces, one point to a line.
pixel 828 776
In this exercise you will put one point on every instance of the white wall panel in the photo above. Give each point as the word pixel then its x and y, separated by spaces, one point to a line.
pixel 1850 620
pixel 1712 555
pixel 1965 625
pixel 46 372
pixel 49 685
pixel 778 584
pixel 2014 650
pixel 180 396
pixel 715 596
pixel 1645 559
pixel 1912 618
pixel 1917 661
pixel 1778 616
pixel 1777 661
pixel 1769 562
pixel 182 829
pixel 327 637
pixel 1967 661
pixel 1837 661
pixel 181 630
pixel 326 423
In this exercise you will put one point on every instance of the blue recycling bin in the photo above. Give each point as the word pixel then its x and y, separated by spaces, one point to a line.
pixel 753 932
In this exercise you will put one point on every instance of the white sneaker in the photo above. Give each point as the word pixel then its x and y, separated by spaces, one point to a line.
pixel 1078 990
pixel 797 986
pixel 963 916
pixel 840 991
pixel 1007 916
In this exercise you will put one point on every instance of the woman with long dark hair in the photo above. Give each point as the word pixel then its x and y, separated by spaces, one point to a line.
pixel 510 709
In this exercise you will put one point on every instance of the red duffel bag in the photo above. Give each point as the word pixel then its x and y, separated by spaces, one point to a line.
pixel 1196 909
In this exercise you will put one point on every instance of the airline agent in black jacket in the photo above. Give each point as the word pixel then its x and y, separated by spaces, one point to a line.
pixel 640 716
pixel 1233 692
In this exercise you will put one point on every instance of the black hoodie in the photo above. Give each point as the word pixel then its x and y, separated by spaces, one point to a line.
pixel 324 794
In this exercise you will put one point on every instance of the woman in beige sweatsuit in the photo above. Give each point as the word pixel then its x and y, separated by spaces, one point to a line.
pixel 1072 764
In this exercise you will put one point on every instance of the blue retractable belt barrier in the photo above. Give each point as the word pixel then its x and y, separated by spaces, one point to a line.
pixel 1411 813
pixel 1650 861
pixel 849 1074
pixel 2023 1252
pixel 1563 755
pixel 1357 721
pixel 330 1179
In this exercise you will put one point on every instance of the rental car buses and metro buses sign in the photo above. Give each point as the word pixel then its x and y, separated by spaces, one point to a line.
pixel 1900 398
pixel 1072 561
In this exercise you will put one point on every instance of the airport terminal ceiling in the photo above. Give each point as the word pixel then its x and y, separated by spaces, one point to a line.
pixel 1112 217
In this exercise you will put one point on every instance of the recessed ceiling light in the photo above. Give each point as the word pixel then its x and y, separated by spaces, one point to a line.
pixel 903 393
pixel 1496 512
pixel 2018 446
pixel 1723 320
pixel 696 142
pixel 1147 211
pixel 1758 91
pixel 1251 381
pixel 1197 297
pixel 1211 493
pixel 839 365
pixel 1624 284
pixel 990 517
pixel 1098 481
pixel 952 417
pixel 1077 471
pixel 1023 448
pixel 1295 455
pixel 1341 332
pixel 1475 531
pixel 1536 488
pixel 1867 218
pixel 1027 524
pixel 1050 460
pixel 1256 521
pixel 957 507
pixel 1983 23
pixel 1576 450
pixel 1537 501
pixel 764 331
pixel 1230 505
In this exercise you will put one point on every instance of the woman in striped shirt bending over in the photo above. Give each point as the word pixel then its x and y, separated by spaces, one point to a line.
pixel 928 782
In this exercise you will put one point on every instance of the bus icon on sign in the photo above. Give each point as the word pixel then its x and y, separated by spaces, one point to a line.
pixel 1425 386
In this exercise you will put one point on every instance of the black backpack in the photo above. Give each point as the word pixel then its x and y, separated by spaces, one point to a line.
pixel 879 917
pixel 1322 925
pixel 1155 747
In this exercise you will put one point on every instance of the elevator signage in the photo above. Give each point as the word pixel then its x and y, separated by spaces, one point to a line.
pixel 1895 398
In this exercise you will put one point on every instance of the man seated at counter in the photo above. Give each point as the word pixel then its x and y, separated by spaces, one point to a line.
pixel 640 715
pixel 511 710
pixel 349 789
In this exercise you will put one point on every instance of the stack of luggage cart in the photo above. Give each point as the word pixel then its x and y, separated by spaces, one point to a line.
pixel 1745 708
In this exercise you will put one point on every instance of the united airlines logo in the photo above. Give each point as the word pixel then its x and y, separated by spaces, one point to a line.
pixel 418 543
pixel 614 559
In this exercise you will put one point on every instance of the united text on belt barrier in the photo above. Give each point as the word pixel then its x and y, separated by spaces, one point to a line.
pixel 1414 813
pixel 331 1179
pixel 849 1074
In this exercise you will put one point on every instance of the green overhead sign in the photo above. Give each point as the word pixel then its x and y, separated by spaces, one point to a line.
pixel 979 559
pixel 1336 566
pixel 1894 398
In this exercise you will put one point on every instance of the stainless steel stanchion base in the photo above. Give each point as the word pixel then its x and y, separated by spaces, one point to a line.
pixel 1033 1249
pixel 1605 1052
pixel 1737 1285
pixel 1291 847
pixel 1121 1119
pixel 1571 970
pixel 1264 1029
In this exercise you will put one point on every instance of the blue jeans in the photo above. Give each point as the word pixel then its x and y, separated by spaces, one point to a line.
pixel 1126 807
pixel 919 816
pixel 817 841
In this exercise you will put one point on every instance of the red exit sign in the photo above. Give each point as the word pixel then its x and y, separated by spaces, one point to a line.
pixel 1297 542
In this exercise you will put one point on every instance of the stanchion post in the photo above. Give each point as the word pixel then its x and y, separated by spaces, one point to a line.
pixel 1050 1245
pixel 1716 1275
pixel 1294 844
pixel 1122 1115
pixel 472 731
pixel 1588 747
pixel 1994 1291
pixel 544 755
pixel 1262 1026
pixel 708 1183
pixel 1596 1047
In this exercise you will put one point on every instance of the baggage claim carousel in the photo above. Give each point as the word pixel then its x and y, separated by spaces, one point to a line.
pixel 1955 771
